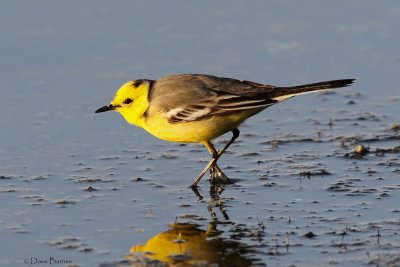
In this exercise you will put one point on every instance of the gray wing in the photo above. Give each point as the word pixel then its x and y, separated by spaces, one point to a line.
pixel 190 97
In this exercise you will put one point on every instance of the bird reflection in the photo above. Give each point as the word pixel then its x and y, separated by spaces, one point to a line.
pixel 218 202
pixel 187 244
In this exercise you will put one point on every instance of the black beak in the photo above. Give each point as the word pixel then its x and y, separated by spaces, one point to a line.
pixel 105 108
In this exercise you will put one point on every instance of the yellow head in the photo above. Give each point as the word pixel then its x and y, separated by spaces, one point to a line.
pixel 131 101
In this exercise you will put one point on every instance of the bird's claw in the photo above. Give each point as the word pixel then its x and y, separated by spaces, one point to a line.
pixel 217 176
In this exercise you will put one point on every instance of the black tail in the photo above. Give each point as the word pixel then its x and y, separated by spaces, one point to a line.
pixel 305 88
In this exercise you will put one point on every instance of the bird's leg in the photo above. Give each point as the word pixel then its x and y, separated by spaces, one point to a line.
pixel 235 133
pixel 214 155
pixel 215 171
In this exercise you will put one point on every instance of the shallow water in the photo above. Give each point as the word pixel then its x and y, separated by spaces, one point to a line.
pixel 87 189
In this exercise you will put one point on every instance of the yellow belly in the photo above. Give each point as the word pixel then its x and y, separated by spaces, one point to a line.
pixel 196 131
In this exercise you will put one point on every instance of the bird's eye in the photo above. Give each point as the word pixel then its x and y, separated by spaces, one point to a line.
pixel 128 101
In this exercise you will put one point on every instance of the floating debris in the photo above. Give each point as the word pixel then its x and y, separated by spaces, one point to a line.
pixel 308 174
pixel 65 202
pixel 395 127
pixel 90 189
pixel 382 151
pixel 169 156
pixel 358 152
pixel 138 179
pixel 310 235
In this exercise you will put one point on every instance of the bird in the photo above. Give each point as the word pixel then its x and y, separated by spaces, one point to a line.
pixel 197 108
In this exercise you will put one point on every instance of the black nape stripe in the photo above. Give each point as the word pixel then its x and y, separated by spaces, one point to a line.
pixel 149 96
pixel 138 83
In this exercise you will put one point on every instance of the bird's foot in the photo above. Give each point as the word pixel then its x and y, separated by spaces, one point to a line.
pixel 217 176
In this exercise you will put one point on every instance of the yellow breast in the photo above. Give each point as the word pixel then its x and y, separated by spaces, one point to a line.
pixel 195 131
